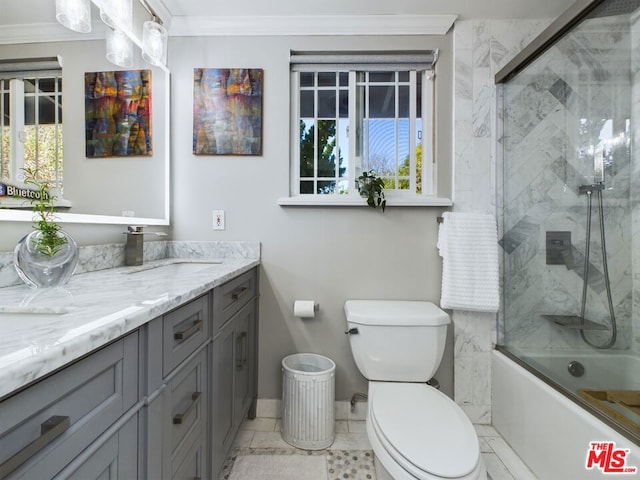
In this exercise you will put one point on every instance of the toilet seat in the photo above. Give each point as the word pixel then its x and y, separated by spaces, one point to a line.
pixel 423 430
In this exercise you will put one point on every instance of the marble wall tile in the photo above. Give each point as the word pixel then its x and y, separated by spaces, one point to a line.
pixel 101 257
pixel 476 154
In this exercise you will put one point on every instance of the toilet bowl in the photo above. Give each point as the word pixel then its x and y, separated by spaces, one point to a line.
pixel 416 431
pixel 413 442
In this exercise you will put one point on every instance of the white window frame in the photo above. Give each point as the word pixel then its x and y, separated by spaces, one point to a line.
pixel 330 62
pixel 14 74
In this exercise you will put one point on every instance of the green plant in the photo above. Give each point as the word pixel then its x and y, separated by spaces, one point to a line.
pixel 371 186
pixel 43 202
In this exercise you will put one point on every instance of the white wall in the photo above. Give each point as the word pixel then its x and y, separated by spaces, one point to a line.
pixel 326 254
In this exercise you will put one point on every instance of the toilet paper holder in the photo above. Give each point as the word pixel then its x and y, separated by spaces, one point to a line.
pixel 305 308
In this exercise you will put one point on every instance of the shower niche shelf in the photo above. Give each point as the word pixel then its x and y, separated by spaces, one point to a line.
pixel 574 322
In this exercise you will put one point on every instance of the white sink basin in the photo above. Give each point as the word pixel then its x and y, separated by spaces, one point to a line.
pixel 177 268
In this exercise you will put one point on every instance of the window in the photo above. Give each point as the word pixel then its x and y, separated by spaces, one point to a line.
pixel 31 122
pixel 356 112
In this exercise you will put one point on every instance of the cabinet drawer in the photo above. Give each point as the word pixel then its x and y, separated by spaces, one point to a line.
pixel 191 464
pixel 78 403
pixel 185 413
pixel 115 457
pixel 232 296
pixel 184 330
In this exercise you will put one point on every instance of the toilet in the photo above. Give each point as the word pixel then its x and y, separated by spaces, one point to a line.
pixel 416 431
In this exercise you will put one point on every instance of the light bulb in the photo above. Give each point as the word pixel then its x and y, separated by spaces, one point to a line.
pixel 154 43
pixel 74 14
pixel 119 49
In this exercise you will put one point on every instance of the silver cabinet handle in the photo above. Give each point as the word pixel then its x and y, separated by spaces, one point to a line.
pixel 179 417
pixel 49 430
pixel 241 345
pixel 185 334
pixel 235 295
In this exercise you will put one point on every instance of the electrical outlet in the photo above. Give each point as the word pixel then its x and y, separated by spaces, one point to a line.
pixel 218 219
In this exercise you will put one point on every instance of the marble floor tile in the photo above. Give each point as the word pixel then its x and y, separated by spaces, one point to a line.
pixel 349 457
pixel 510 459
pixel 268 440
pixel 351 441
pixel 259 424
pixel 279 467
pixel 341 426
pixel 243 439
pixel 495 468
pixel 357 426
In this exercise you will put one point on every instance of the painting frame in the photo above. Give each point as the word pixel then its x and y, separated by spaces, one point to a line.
pixel 228 111
pixel 118 116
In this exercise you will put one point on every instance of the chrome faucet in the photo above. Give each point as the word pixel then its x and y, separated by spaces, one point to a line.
pixel 134 250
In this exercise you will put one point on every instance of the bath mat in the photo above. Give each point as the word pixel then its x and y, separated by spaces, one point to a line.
pixel 279 467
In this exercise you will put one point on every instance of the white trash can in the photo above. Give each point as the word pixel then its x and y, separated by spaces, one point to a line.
pixel 308 393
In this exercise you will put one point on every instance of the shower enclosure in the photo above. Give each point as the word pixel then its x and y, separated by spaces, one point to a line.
pixel 571 212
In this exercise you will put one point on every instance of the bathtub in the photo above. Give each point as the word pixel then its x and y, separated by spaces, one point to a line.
pixel 549 431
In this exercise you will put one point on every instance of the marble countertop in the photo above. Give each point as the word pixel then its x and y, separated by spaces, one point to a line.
pixel 42 330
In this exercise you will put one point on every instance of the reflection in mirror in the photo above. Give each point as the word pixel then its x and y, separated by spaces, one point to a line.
pixel 110 189
pixel 31 127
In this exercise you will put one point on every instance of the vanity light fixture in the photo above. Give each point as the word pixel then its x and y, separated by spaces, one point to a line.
pixel 74 14
pixel 119 48
pixel 118 15
pixel 154 42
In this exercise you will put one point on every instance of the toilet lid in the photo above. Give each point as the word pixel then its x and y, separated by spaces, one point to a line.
pixel 426 428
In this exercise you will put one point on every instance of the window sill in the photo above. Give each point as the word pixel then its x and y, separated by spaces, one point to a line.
pixel 356 201
pixel 25 203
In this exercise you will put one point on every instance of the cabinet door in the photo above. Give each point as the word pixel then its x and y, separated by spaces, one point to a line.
pixel 43 428
pixel 243 384
pixel 185 414
pixel 115 458
pixel 223 365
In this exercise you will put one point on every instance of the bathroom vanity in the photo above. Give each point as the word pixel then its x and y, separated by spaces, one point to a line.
pixel 128 372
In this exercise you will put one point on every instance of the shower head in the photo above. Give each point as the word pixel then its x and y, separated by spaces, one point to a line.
pixel 610 8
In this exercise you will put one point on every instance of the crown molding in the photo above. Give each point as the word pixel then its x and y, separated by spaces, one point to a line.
pixel 45 32
pixel 312 25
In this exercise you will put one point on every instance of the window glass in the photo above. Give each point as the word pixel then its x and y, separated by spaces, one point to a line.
pixel 41 145
pixel 385 137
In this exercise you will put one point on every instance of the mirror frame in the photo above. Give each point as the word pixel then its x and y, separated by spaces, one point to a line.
pixel 53 32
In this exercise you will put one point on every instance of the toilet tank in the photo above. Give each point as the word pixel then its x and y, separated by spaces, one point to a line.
pixel 401 341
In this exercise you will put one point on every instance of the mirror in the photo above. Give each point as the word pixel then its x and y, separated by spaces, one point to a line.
pixel 109 190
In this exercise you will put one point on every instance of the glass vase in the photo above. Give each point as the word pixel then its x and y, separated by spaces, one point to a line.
pixel 40 269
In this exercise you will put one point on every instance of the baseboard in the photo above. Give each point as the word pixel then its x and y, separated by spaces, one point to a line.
pixel 272 408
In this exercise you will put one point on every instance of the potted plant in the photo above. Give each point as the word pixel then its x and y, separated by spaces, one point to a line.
pixel 47 256
pixel 371 186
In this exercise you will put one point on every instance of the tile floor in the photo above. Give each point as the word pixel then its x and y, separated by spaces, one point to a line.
pixel 259 453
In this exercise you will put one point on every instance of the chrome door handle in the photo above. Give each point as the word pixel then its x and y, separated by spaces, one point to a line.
pixel 185 334
pixel 49 431
pixel 235 295
pixel 179 417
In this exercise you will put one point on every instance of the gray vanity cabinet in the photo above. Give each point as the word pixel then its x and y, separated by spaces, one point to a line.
pixel 115 457
pixel 61 420
pixel 234 374
pixel 178 391
pixel 164 402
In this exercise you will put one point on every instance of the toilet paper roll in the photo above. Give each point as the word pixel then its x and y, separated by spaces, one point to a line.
pixel 304 308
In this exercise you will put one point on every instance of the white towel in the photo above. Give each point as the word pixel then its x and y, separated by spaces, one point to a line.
pixel 468 245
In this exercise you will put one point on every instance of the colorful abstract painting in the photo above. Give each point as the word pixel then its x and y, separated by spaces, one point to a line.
pixel 227 111
pixel 118 113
